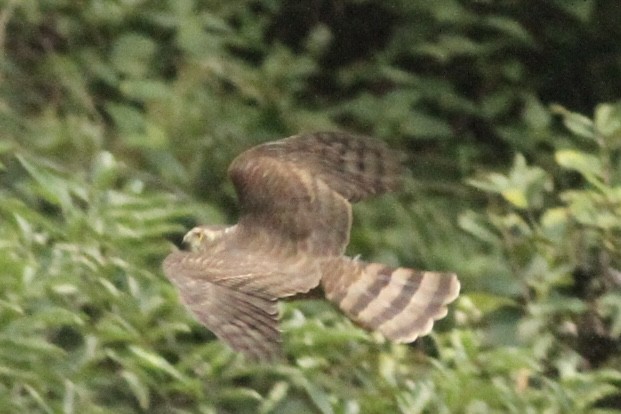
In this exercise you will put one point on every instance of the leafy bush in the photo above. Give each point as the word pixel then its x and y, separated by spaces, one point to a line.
pixel 562 251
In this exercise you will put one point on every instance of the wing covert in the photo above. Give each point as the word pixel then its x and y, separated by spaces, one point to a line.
pixel 266 277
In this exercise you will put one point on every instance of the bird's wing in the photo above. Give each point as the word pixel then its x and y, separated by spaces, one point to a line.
pixel 235 296
pixel 258 274
pixel 357 167
pixel 295 192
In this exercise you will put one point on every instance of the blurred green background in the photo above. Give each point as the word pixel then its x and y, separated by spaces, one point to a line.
pixel 118 120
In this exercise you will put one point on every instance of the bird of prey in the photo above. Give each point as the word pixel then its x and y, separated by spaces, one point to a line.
pixel 295 196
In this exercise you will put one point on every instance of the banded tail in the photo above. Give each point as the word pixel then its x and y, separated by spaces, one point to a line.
pixel 400 303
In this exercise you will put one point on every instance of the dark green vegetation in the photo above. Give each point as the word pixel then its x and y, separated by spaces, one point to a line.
pixel 118 120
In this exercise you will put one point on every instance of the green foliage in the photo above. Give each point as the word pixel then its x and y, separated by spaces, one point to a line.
pixel 565 253
pixel 118 121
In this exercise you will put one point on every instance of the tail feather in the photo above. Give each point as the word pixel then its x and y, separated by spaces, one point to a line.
pixel 400 303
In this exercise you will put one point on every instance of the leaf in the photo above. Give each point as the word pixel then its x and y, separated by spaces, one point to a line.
pixel 487 302
pixel 105 170
pixel 609 305
pixel 278 392
pixel 558 304
pixel 475 224
pixel 535 114
pixel 607 119
pixel 52 188
pixel 523 187
pixel 510 359
pixel 145 90
pixel 589 166
pixel 577 123
pixel 239 393
pixel 510 27
pixel 515 196
pixel 318 396
pixel 140 390
pixel 38 398
pixel 580 9
pixel 608 124
pixel 132 54
pixel 554 223
pixel 127 119
pixel 155 361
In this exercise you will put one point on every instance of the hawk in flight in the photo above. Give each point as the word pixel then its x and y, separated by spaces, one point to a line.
pixel 295 196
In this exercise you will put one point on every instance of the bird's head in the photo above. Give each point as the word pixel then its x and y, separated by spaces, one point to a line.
pixel 202 236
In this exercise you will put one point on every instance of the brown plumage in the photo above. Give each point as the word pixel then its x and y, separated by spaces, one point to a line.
pixel 295 197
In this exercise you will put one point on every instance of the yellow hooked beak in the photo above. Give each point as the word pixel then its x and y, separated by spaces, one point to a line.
pixel 194 238
pixel 198 236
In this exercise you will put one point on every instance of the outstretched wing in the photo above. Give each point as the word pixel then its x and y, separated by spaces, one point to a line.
pixel 228 303
pixel 354 166
pixel 296 191
pixel 234 294
pixel 257 274
pixel 400 303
